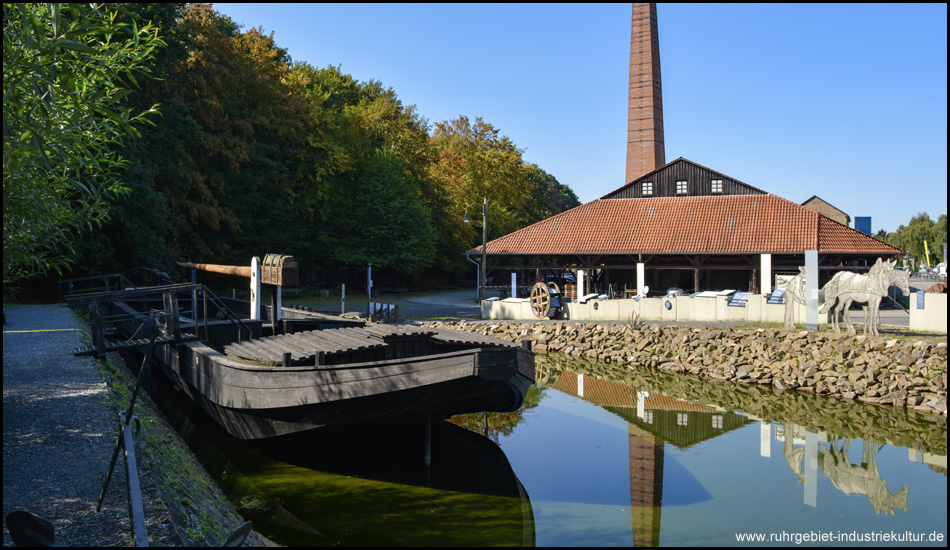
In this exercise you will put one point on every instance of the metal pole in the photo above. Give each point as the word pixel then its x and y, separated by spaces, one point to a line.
pixel 194 298
pixel 369 289
pixel 484 281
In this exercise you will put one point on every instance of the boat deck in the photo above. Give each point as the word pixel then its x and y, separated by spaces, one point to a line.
pixel 352 344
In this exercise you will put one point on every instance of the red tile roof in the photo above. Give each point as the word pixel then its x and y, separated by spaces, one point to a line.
pixel 736 224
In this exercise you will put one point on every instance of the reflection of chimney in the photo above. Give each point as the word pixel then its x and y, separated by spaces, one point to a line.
pixel 646 485
pixel 645 149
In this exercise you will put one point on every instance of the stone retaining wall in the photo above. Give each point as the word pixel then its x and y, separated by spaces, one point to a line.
pixel 885 370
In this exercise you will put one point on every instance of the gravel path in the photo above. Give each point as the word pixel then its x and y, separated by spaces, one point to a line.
pixel 58 434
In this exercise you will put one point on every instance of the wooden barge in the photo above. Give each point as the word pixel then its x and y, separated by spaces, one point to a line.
pixel 262 378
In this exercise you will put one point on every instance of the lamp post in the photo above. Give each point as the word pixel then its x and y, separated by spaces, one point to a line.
pixel 482 279
pixel 481 295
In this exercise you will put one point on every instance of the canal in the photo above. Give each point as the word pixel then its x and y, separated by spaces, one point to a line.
pixel 600 455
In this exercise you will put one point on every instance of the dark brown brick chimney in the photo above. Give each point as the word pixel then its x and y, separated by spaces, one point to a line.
pixel 645 150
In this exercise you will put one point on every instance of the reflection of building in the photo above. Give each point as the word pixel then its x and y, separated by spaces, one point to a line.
pixel 652 421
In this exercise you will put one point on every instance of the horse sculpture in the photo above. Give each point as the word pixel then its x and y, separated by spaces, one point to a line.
pixel 845 288
pixel 794 292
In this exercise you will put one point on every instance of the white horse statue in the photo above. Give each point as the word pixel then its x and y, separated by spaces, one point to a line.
pixel 845 288
pixel 794 292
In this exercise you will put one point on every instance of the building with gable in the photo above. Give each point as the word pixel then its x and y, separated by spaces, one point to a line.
pixel 686 226
pixel 679 224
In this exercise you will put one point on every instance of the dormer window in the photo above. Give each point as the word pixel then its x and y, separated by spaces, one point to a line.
pixel 647 188
pixel 681 187
pixel 717 186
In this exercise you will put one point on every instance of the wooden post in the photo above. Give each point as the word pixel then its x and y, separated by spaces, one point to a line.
pixel 428 439
pixel 171 316
pixel 97 337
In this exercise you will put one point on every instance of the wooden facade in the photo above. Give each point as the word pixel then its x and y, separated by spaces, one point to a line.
pixel 662 182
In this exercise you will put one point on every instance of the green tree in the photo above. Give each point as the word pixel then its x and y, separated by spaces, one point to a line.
pixel 362 179
pixel 67 72
pixel 921 228
pixel 386 224
pixel 476 161
pixel 548 197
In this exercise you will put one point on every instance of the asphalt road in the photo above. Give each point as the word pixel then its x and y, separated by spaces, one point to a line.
pixel 59 432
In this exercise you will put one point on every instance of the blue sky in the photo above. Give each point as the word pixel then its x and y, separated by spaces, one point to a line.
pixel 847 102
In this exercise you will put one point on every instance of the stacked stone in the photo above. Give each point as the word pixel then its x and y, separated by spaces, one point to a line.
pixel 893 371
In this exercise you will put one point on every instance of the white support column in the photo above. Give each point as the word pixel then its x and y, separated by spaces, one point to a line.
pixel 810 468
pixel 641 278
pixel 514 285
pixel 256 288
pixel 811 290
pixel 765 438
pixel 766 273
pixel 581 292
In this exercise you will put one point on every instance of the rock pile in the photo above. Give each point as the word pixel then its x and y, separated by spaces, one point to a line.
pixel 893 371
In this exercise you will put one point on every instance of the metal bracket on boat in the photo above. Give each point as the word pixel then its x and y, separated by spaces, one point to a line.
pixel 278 270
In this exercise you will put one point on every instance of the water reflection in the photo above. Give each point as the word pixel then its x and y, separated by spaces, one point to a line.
pixel 364 487
pixel 863 478
pixel 821 439
pixel 601 454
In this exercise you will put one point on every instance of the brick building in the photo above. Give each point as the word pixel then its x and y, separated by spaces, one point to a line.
pixel 680 224
pixel 817 204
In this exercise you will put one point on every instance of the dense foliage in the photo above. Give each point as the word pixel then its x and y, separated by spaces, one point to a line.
pixel 68 70
pixel 254 153
pixel 911 238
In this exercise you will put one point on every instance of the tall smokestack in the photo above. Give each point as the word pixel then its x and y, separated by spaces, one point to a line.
pixel 645 149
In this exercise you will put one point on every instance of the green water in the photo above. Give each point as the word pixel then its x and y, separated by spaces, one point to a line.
pixel 602 456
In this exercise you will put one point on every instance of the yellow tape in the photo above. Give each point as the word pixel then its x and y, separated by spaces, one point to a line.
pixel 41 330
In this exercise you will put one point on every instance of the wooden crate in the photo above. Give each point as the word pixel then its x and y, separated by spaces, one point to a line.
pixel 570 292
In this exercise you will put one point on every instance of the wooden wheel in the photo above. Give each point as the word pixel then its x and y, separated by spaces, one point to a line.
pixel 541 298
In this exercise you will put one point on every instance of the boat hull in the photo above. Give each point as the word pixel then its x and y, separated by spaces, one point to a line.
pixel 253 402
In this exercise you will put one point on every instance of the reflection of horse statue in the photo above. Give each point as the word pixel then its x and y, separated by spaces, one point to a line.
pixel 850 479
pixel 794 455
pixel 845 288
pixel 863 479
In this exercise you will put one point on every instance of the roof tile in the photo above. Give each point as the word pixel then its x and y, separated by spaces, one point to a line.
pixel 736 224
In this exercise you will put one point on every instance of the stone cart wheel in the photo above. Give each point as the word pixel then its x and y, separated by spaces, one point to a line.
pixel 541 298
